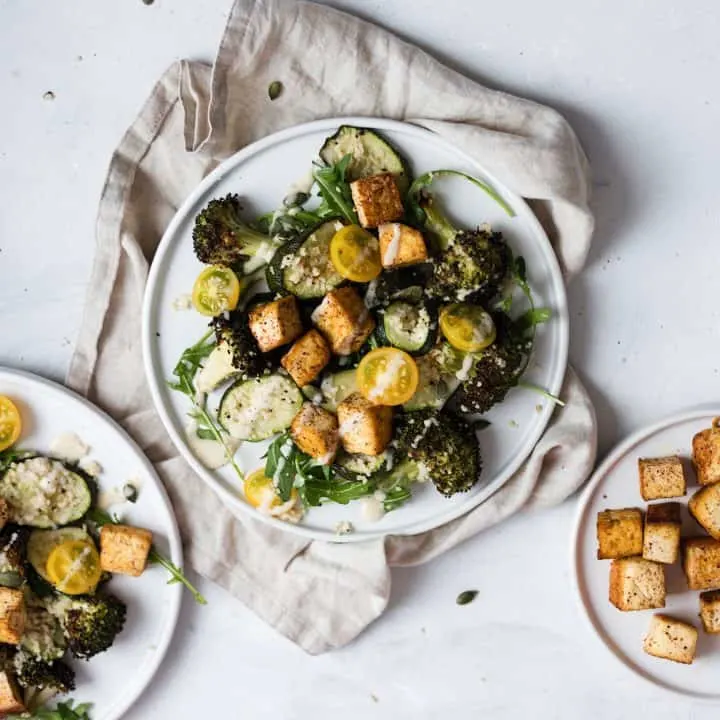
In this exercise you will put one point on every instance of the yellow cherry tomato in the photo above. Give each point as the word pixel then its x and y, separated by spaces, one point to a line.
pixel 73 567
pixel 387 376
pixel 355 253
pixel 10 423
pixel 260 491
pixel 216 290
pixel 467 327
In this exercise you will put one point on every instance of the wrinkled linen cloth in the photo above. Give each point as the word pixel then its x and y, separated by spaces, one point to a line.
pixel 320 595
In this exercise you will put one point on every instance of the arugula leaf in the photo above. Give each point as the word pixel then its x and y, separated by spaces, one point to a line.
pixel 334 190
pixel 533 317
pixel 63 711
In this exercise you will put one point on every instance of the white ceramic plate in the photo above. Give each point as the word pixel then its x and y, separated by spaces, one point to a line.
pixel 113 680
pixel 615 485
pixel 262 174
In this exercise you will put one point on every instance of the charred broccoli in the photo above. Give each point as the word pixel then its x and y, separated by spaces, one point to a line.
pixel 34 672
pixel 90 623
pixel 497 370
pixel 222 237
pixel 239 345
pixel 473 264
pixel 42 636
pixel 13 540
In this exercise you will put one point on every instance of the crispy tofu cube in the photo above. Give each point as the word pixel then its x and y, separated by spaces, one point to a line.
pixel 377 200
pixel 315 432
pixel 12 615
pixel 344 320
pixel 401 245
pixel 306 358
pixel 10 695
pixel 661 478
pixel 364 428
pixel 619 533
pixel 706 454
pixel 710 611
pixel 704 506
pixel 4 513
pixel 636 584
pixel 671 639
pixel 275 323
pixel 661 542
pixel 701 563
pixel 124 549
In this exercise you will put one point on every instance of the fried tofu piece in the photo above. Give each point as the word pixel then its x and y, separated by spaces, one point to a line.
pixel 315 431
pixel 704 506
pixel 377 200
pixel 344 320
pixel 401 245
pixel 10 695
pixel 701 563
pixel 710 611
pixel 661 478
pixel 124 549
pixel 636 584
pixel 671 639
pixel 306 359
pixel 706 454
pixel 275 323
pixel 4 513
pixel 12 615
pixel 619 533
pixel 364 428
pixel 661 542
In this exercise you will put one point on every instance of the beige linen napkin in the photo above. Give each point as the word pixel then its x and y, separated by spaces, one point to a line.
pixel 320 595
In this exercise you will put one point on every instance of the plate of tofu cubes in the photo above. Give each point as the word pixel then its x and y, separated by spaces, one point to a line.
pixel 352 329
pixel 88 547
pixel 647 553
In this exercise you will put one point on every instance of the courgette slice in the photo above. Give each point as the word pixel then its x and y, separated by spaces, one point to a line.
pixel 42 542
pixel 412 327
pixel 259 408
pixel 303 267
pixel 337 387
pixel 371 155
pixel 43 492
pixel 358 464
pixel 441 372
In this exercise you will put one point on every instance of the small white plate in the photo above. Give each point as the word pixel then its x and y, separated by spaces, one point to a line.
pixel 262 174
pixel 113 680
pixel 615 485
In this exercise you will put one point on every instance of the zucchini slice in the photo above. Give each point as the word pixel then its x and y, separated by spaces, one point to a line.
pixel 412 327
pixel 358 464
pixel 42 542
pixel 43 492
pixel 371 155
pixel 337 387
pixel 259 408
pixel 441 372
pixel 303 267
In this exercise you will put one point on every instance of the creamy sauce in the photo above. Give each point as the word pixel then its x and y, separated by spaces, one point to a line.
pixel 108 498
pixel 464 372
pixel 211 453
pixel 386 378
pixel 68 446
pixel 92 467
pixel 371 509
pixel 344 527
pixel 303 184
pixel 393 249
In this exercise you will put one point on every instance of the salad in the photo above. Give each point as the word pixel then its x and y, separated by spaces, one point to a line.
pixel 356 329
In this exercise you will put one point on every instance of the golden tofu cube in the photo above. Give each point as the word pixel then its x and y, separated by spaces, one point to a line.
pixel 12 615
pixel 364 428
pixel 306 358
pixel 275 323
pixel 315 431
pixel 636 584
pixel 661 542
pixel 401 245
pixel 661 478
pixel 710 611
pixel 344 320
pixel 706 454
pixel 704 506
pixel 671 639
pixel 377 200
pixel 619 533
pixel 701 563
pixel 124 549
pixel 10 695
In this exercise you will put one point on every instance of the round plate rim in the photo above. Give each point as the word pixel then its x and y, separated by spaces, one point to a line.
pixel 176 554
pixel 614 456
pixel 521 209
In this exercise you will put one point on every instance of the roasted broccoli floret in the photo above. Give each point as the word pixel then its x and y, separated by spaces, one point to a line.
pixel 442 446
pixel 34 672
pixel 13 541
pixel 222 237
pixel 42 636
pixel 471 264
pixel 497 370
pixel 233 334
pixel 90 623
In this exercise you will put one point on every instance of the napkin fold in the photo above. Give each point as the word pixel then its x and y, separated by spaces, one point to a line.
pixel 320 595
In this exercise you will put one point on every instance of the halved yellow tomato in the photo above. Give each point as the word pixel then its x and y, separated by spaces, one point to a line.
pixel 387 376
pixel 467 327
pixel 73 567
pixel 355 254
pixel 216 290
pixel 10 423
pixel 260 490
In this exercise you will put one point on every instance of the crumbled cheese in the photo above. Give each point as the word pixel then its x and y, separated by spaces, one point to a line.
pixel 68 446
pixel 92 467
pixel 182 302
pixel 344 527
pixel 371 508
